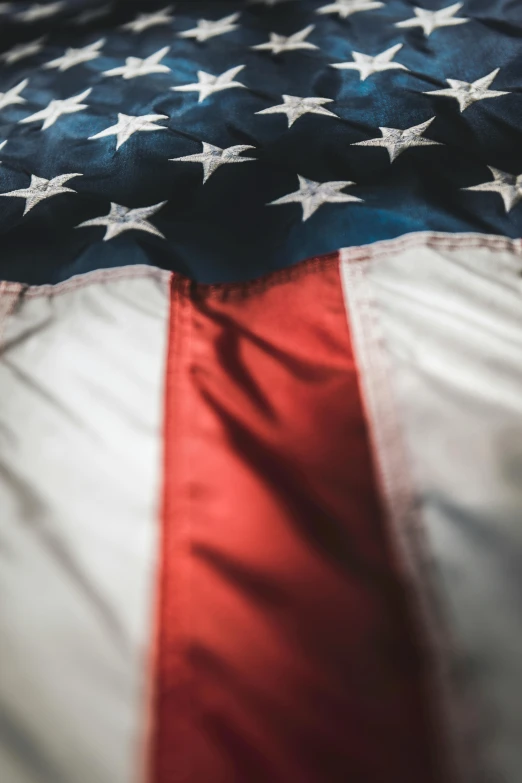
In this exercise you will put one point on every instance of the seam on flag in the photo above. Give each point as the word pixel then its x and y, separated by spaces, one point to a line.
pixel 436 239
pixel 395 476
pixel 87 279
pixel 171 675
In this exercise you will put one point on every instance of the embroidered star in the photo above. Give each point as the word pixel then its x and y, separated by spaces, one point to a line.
pixel 396 141
pixel 122 219
pixel 367 64
pixel 213 157
pixel 41 189
pixel 86 17
pixel 295 107
pixel 508 187
pixel 13 95
pixel 134 66
pixel 2 145
pixel 208 84
pixel 127 125
pixel 74 57
pixel 431 20
pixel 467 93
pixel 145 21
pixel 38 11
pixel 5 8
pixel 290 43
pixel 56 108
pixel 346 8
pixel 20 51
pixel 311 195
pixel 206 29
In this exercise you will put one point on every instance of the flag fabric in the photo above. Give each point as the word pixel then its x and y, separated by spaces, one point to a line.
pixel 260 391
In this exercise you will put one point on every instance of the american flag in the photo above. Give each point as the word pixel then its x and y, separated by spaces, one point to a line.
pixel 260 391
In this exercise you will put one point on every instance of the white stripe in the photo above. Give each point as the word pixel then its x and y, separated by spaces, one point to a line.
pixel 81 409
pixel 449 309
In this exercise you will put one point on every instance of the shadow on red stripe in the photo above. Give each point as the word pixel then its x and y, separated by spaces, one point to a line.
pixel 286 649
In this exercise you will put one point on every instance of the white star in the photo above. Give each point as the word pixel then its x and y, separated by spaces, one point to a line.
pixel 122 219
pixel 5 8
pixel 38 11
pixel 128 124
pixel 346 8
pixel 295 107
pixel 213 157
pixel 431 20
pixel 467 93
pixel 206 29
pixel 396 141
pixel 290 43
pixel 208 84
pixel 41 189
pixel 56 108
pixel 20 51
pixel 86 17
pixel 13 95
pixel 2 145
pixel 74 57
pixel 311 195
pixel 134 66
pixel 508 186
pixel 145 21
pixel 367 65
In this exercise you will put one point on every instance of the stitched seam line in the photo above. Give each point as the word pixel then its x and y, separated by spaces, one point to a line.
pixel 446 241
pixel 408 538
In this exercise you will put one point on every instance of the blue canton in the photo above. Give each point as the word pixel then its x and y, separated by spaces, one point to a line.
pixel 227 139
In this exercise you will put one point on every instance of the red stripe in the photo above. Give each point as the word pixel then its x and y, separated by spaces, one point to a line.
pixel 286 649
